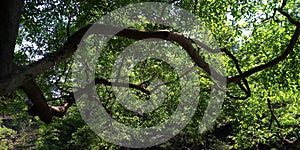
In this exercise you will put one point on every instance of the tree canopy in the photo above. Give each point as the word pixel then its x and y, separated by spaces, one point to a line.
pixel 257 41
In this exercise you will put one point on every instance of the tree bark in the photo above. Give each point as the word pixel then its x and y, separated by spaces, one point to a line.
pixel 10 15
pixel 36 96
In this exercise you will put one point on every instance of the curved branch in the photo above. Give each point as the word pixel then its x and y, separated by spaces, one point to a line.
pixel 271 63
pixel 19 77
pixel 278 59
pixel 22 75
pixel 289 17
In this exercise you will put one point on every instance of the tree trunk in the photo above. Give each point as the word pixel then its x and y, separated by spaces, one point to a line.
pixel 10 15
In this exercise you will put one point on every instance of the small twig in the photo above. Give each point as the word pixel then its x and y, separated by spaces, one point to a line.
pixel 245 86
pixel 120 84
pixel 167 83
pixel 273 117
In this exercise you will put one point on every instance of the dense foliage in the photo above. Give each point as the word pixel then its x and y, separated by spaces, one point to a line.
pixel 251 30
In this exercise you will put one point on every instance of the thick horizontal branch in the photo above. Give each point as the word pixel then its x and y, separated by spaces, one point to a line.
pixel 23 77
pixel 183 41
pixel 20 76
pixel 24 74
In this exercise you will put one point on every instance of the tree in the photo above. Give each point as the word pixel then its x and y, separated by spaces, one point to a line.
pixel 57 27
